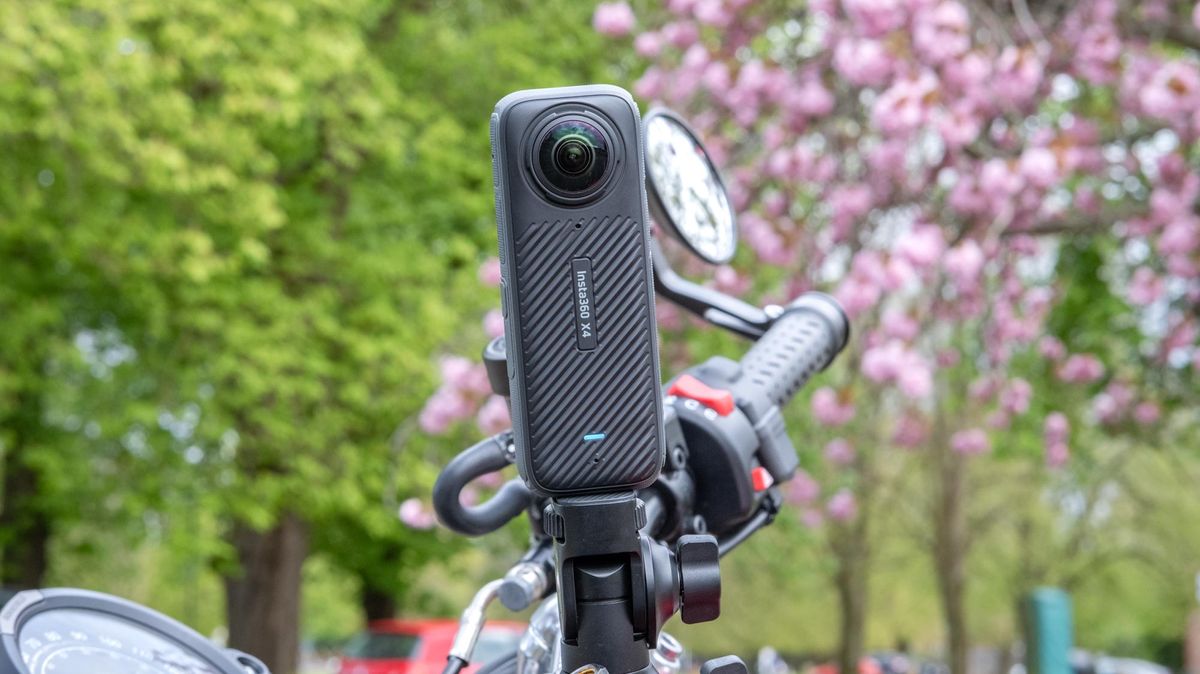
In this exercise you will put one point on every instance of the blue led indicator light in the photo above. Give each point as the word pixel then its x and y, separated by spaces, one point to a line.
pixel 592 437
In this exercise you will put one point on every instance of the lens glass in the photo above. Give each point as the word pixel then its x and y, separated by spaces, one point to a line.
pixel 573 157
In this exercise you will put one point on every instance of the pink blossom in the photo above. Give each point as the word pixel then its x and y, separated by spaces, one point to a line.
pixel 1181 335
pixel 651 84
pixel 728 280
pixel 1111 405
pixel 716 78
pixel 863 62
pixel 849 203
pixel 1050 348
pixel 966 197
pixel 873 18
pixel 905 106
pixel 983 388
pixel 892 362
pixel 959 125
pixel 1039 167
pixel 1098 53
pixel 648 45
pixel 443 408
pixel 916 379
pixel 681 34
pixel 493 323
pixel 1016 396
pixel 811 99
pixel 900 325
pixel 857 295
pixel 493 416
pixel 766 242
pixel 1146 413
pixel 829 409
pixel 970 76
pixel 970 442
pixel 942 32
pixel 713 13
pixel 1057 455
pixel 922 246
pixel 1019 74
pixel 802 488
pixel 1145 287
pixel 900 272
pixel 614 19
pixel 839 452
pixel 1081 368
pixel 883 363
pixel 415 515
pixel 1056 428
pixel 463 374
pixel 1180 237
pixel 489 272
pixel 998 181
pixel 910 432
pixel 842 506
pixel 963 264
pixel 1173 90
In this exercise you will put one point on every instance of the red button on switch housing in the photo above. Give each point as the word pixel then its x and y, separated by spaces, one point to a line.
pixel 688 386
pixel 761 478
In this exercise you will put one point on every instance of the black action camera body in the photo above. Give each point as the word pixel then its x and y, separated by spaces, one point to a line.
pixel 577 289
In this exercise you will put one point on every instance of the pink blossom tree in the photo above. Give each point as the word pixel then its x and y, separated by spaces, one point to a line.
pixel 1002 195
pixel 944 168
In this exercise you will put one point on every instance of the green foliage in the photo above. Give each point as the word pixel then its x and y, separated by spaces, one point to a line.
pixel 263 221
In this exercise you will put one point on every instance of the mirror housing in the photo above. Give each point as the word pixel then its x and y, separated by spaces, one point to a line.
pixel 686 195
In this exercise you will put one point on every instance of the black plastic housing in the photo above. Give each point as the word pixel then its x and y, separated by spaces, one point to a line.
pixel 572 383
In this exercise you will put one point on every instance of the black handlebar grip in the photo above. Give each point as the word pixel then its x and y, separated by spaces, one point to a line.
pixel 485 457
pixel 803 341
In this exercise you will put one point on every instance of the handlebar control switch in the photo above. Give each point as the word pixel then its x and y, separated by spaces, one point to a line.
pixel 687 386
pixel 699 578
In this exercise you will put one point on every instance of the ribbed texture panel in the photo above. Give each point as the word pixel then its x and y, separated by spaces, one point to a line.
pixel 569 392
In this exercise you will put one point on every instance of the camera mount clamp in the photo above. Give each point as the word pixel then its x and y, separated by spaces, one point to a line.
pixel 617 586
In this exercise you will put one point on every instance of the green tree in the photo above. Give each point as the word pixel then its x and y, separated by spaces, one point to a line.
pixel 274 211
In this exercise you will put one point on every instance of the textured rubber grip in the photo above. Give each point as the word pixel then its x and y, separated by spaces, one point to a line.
pixel 800 343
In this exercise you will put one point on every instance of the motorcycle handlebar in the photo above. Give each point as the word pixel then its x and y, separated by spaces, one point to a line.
pixel 483 458
pixel 804 340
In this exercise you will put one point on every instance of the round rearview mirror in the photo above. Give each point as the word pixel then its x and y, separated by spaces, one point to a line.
pixel 687 197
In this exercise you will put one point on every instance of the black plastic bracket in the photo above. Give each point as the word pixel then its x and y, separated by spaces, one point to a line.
pixel 713 306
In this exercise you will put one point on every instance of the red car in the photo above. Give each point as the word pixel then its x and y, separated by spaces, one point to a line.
pixel 421 646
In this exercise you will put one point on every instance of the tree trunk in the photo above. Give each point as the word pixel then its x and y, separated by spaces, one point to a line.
pixel 851 544
pixel 950 552
pixel 377 604
pixel 25 526
pixel 263 599
pixel 852 599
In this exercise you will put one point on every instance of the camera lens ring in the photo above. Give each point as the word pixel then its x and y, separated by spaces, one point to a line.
pixel 572 156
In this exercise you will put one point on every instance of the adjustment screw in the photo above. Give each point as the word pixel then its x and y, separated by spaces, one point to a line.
pixel 553 523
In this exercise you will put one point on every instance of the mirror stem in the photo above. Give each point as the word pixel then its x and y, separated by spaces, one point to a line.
pixel 711 305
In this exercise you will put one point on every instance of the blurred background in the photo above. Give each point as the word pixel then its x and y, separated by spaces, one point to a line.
pixel 247 269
